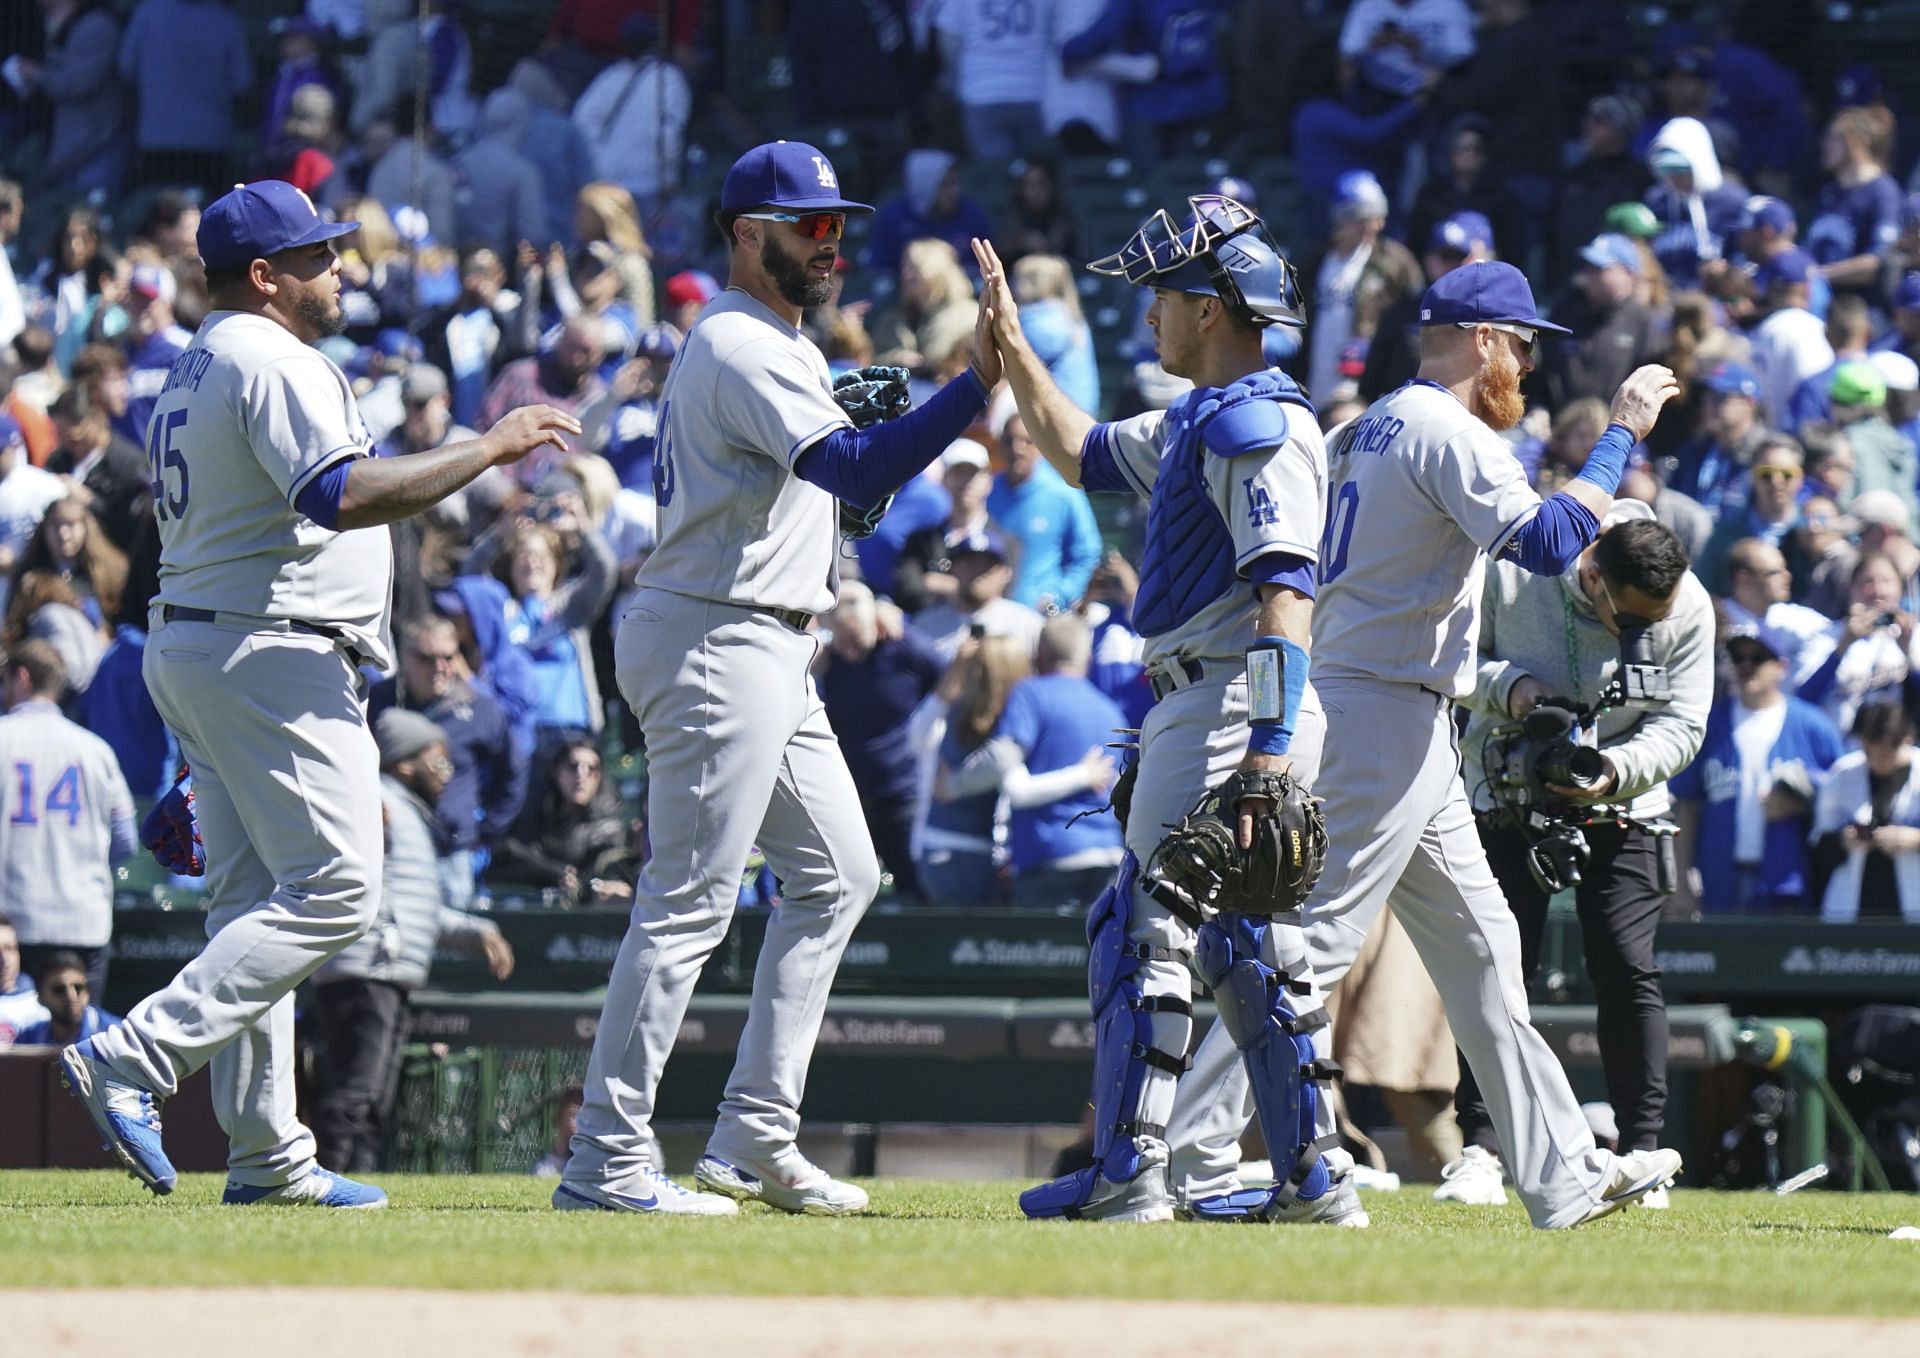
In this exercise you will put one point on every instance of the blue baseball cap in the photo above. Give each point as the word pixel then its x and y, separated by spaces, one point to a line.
pixel 1462 233
pixel 1789 266
pixel 983 543
pixel 1761 211
pixel 658 341
pixel 397 343
pixel 1358 194
pixel 788 174
pixel 1484 290
pixel 1732 379
pixel 253 221
pixel 1610 249
pixel 1906 295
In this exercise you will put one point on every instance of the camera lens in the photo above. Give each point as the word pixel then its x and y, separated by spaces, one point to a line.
pixel 1570 765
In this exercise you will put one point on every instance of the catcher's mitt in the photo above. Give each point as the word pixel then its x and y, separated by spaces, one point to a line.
pixel 869 395
pixel 1200 868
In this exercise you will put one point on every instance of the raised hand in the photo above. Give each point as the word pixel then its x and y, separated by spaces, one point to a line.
pixel 999 322
pixel 519 432
pixel 1638 403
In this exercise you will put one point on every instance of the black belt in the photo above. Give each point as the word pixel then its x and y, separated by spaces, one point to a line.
pixel 1164 682
pixel 181 613
pixel 795 618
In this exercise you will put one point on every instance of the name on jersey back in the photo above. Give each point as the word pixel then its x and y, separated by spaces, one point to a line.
pixel 188 369
pixel 1373 433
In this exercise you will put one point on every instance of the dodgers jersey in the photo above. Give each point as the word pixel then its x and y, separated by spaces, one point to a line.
pixel 60 793
pixel 746 395
pixel 1424 494
pixel 1213 513
pixel 248 417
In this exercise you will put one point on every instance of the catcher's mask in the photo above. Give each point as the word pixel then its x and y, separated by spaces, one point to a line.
pixel 1224 251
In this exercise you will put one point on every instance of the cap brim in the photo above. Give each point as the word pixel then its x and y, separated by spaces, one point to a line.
pixel 826 203
pixel 324 231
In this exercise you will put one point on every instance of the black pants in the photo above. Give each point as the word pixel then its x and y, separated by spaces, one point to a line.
pixel 364 1024
pixel 1619 903
pixel 33 956
pixel 890 822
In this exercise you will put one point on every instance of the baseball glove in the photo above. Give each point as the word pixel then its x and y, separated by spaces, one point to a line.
pixel 170 831
pixel 869 395
pixel 1199 867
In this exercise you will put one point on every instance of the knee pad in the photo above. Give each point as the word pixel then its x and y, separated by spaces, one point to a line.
pixel 1259 1008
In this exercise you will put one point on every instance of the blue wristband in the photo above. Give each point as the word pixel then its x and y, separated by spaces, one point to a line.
pixel 1276 686
pixel 1607 463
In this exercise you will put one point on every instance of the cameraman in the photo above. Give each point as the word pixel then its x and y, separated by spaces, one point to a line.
pixel 1542 636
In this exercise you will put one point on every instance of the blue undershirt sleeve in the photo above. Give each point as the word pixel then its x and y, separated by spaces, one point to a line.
pixel 319 499
pixel 1283 568
pixel 1547 543
pixel 864 466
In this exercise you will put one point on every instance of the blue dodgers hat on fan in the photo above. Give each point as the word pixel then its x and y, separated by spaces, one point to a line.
pixel 1789 266
pixel 253 221
pixel 1732 379
pixel 785 174
pixel 1462 233
pixel 1762 212
pixel 1605 251
pixel 1480 291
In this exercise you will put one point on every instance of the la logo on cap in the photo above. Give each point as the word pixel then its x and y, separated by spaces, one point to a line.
pixel 827 181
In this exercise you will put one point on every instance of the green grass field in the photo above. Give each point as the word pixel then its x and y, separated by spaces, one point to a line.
pixel 1810 1253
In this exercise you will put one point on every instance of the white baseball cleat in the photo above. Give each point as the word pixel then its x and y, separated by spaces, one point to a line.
pixel 1475 1179
pixel 646 1191
pixel 1634 1176
pixel 788 1181
pixel 1656 1200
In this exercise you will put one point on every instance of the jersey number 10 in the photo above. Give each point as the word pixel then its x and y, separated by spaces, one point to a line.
pixel 1340 516
pixel 164 456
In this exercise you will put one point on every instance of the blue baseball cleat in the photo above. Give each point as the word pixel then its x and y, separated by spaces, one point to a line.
pixel 320 1188
pixel 125 1114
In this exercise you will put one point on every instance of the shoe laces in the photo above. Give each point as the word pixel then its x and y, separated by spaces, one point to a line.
pixel 132 1102
pixel 1469 1164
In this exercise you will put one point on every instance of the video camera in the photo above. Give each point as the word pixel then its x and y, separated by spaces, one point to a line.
pixel 1554 746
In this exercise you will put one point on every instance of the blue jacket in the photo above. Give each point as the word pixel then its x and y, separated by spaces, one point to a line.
pixel 1059 540
pixel 490 764
pixel 1809 741
pixel 1183 34
pixel 1055 719
pixel 117 707
pixel 868 703
pixel 921 504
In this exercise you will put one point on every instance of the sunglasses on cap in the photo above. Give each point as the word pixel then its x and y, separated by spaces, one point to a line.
pixel 812 225
pixel 1526 334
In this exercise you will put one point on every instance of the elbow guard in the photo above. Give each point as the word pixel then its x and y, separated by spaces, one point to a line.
pixel 1276 686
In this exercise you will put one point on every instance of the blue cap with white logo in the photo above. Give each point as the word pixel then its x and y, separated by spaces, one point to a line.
pixel 1462 233
pixel 1763 213
pixel 1609 250
pixel 785 174
pixel 1483 290
pixel 253 221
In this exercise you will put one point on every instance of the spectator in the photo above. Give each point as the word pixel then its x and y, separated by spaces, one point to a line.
pixel 1059 542
pixel 20 1005
pixel 587 34
pixel 117 707
pixel 395 63
pixel 1869 654
pixel 1187 91
pixel 301 67
pixel 922 505
pixel 304 153
pixel 551 607
pixel 1746 803
pixel 555 146
pixel 1849 330
pixel 1040 218
pixel 1711 468
pixel 1393 355
pixel 411 173
pixel 499 192
pixel 871 684
pixel 427 423
pixel 1771 510
pixel 488 786
pixel 1883 457
pixel 1336 136
pixel 38 382
pixel 1576 428
pixel 1866 823
pixel 1467 181
pixel 954 838
pixel 376 281
pixel 152 341
pixel 76 74
pixel 70 545
pixel 1823 537
pixel 66 993
pixel 979 606
pixel 1048 756
pixel 187 62
pixel 1789 344
pixel 572 837
pixel 1905 334
pixel 1902 376
pixel 633 116
pixel 1050 314
pixel 636 423
pixel 1403 45
pixel 1679 513
pixel 1857 219
pixel 83 279
pixel 997 61
pixel 68 819
pixel 923 570
pixel 1766 228
pixel 477 604
pixel 26 493
pixel 566 1117
pixel 377 390
pixel 607 213
pixel 1362 273
pixel 1080 101
pixel 1613 331
pixel 1758 584
pixel 469 336
pixel 101 470
pixel 935 312
pixel 1118 668
pixel 1606 173
pixel 929 206
pixel 854 66
pixel 13 310
pixel 1696 205
pixel 687 294
pixel 361 995
pixel 564 374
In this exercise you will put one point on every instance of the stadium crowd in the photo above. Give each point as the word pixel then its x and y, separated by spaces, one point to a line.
pixel 534 226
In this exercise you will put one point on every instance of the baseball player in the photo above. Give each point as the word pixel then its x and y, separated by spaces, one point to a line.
pixel 275 581
pixel 712 656
pixel 66 818
pixel 1234 475
pixel 1425 491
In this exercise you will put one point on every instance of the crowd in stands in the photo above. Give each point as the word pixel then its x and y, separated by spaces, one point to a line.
pixel 1730 193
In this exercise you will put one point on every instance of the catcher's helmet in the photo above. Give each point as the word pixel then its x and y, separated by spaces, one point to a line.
pixel 1224 251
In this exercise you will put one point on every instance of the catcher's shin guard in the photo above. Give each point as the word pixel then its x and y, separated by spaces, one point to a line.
pixel 1259 1011
pixel 1126 1056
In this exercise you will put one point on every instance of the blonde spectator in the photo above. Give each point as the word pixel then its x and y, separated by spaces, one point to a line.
pixel 934 311
pixel 954 841
pixel 607 212
pixel 1050 311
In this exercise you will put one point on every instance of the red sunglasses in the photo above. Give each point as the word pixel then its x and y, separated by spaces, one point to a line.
pixel 812 225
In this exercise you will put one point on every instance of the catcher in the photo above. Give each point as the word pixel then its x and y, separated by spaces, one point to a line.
pixel 1234 474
